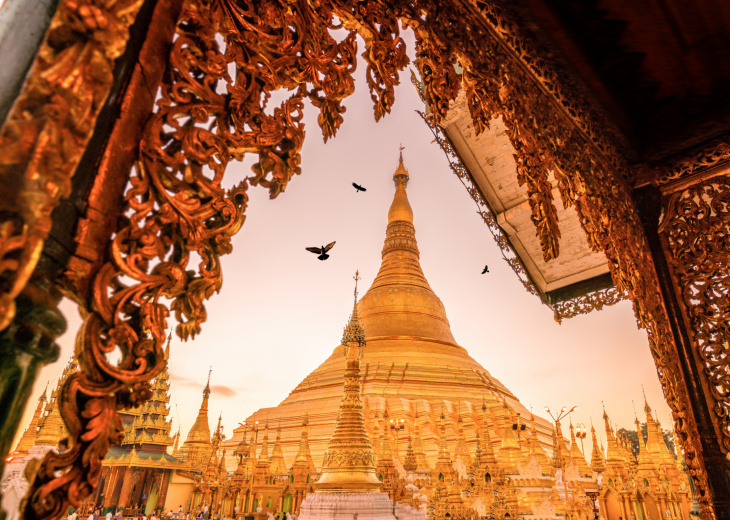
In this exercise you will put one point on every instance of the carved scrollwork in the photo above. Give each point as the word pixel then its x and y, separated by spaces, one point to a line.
pixel 46 132
pixel 593 301
pixel 696 229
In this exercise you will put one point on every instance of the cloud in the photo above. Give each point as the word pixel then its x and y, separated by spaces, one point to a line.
pixel 224 391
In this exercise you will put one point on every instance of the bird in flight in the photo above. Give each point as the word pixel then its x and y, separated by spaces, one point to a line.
pixel 321 251
pixel 486 269
pixel 358 187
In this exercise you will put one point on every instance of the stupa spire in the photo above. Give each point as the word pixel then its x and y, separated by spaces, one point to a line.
pixel 349 462
pixel 488 457
pixel 418 444
pixel 278 466
pixel 200 432
pixel 597 463
pixel 400 279
pixel 27 441
pixel 535 446
pixel 303 457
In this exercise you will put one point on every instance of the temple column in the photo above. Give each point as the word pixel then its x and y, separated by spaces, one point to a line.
pixel 603 507
pixel 663 506
pixel 627 506
pixel 690 259
pixel 124 492
pixel 109 485
pixel 164 484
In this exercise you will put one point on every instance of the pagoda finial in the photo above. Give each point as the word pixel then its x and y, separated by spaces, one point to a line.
pixel 356 278
pixel 206 390
pixel 401 148
pixel 167 348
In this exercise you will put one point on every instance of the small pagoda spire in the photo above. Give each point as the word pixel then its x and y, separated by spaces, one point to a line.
pixel 598 464
pixel 421 459
pixel 349 461
pixel 27 441
pixel 488 457
pixel 576 455
pixel 535 446
pixel 462 450
pixel 199 434
pixel 278 466
pixel 386 453
pixel 409 463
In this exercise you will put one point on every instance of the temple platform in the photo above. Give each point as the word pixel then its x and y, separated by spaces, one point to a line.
pixel 347 506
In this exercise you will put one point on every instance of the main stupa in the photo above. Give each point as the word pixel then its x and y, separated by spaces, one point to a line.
pixel 412 368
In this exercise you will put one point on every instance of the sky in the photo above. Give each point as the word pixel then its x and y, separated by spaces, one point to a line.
pixel 281 312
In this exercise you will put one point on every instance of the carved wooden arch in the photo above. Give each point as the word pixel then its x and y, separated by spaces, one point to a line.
pixel 176 213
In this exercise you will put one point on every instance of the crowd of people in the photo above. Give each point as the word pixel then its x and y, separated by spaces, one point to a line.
pixel 201 513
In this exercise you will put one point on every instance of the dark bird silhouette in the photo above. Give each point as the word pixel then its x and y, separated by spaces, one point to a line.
pixel 358 187
pixel 321 251
pixel 486 269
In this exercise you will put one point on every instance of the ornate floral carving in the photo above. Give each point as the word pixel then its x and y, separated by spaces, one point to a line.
pixel 696 229
pixel 593 301
pixel 46 132
pixel 712 154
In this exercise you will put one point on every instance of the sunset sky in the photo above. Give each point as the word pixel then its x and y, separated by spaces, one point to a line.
pixel 281 311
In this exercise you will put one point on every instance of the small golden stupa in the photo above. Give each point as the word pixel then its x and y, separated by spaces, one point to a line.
pixel 349 461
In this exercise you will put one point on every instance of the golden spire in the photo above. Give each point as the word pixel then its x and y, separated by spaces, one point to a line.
pixel 386 454
pixel 418 444
pixel 400 279
pixel 177 441
pixel 488 457
pixel 576 455
pixel 510 453
pixel 409 463
pixel 598 465
pixel 349 461
pixel 304 458
pixel 200 432
pixel 167 348
pixel 535 446
pixel 443 461
pixel 27 441
pixel 613 453
pixel 376 438
pixel 264 455
pixel 462 450
pixel 278 466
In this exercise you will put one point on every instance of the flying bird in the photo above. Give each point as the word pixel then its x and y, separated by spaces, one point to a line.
pixel 486 269
pixel 358 187
pixel 321 251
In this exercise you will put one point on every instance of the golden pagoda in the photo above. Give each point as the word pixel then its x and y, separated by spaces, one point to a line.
pixel 412 359
pixel 30 435
pixel 51 429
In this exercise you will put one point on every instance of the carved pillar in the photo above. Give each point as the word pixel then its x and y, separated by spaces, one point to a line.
pixel 111 487
pixel 165 483
pixel 690 253
pixel 125 491
pixel 26 345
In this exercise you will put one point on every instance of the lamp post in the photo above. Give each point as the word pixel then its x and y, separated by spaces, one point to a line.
pixel 558 461
pixel 581 434
pixel 397 425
